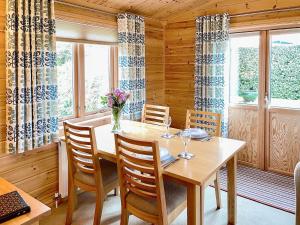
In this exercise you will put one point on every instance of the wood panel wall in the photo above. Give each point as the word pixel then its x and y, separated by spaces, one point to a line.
pixel 154 45
pixel 179 69
pixel 179 77
pixel 212 7
pixel 36 172
pixel 243 125
pixel 283 140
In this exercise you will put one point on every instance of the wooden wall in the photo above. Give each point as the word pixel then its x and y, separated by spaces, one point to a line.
pixel 179 69
pixel 283 140
pixel 154 45
pixel 37 172
pixel 212 7
pixel 155 77
pixel 243 125
pixel 243 121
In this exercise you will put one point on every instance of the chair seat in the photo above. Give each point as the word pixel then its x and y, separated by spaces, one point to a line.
pixel 175 195
pixel 108 171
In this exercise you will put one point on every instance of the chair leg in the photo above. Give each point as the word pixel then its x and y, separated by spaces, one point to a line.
pixel 218 190
pixel 98 209
pixel 124 217
pixel 72 201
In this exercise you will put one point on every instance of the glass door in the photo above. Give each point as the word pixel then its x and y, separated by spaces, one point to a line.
pixel 245 59
pixel 283 105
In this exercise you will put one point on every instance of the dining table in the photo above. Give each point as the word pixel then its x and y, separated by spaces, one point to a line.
pixel 210 156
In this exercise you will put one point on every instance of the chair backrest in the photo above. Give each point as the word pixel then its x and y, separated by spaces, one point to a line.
pixel 155 114
pixel 209 121
pixel 140 173
pixel 80 143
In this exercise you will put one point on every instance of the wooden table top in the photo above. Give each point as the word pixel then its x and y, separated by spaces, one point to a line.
pixel 209 155
pixel 38 209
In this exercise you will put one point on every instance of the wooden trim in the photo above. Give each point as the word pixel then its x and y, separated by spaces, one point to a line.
pixel 83 41
pixel 267 121
pixel 113 68
pixel 244 106
pixel 75 77
pixel 253 28
pixel 116 67
pixel 261 98
pixel 294 111
pixel 36 150
pixel 81 81
pixel 266 11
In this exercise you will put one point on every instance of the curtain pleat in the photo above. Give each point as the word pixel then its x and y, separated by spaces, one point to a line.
pixel 31 87
pixel 131 37
pixel 211 74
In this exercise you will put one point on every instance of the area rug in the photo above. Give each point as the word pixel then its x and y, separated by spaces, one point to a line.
pixel 264 187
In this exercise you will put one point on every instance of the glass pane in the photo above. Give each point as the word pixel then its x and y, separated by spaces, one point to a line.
pixel 65 79
pixel 96 75
pixel 244 68
pixel 285 68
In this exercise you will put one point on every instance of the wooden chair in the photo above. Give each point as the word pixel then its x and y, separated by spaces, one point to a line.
pixel 144 194
pixel 211 122
pixel 155 114
pixel 86 170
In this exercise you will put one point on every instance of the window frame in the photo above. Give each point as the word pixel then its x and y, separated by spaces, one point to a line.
pixel 286 30
pixel 79 77
pixel 264 61
pixel 245 34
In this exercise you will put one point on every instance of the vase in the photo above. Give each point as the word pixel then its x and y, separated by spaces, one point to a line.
pixel 116 117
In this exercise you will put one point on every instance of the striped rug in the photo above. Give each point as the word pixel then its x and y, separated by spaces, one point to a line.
pixel 264 187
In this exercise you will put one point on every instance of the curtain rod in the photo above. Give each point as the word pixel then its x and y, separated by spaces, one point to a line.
pixel 91 9
pixel 265 11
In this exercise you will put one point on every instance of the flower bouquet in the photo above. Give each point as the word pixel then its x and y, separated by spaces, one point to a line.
pixel 116 101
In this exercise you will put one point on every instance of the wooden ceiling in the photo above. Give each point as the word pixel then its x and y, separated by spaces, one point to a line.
pixel 151 8
pixel 176 10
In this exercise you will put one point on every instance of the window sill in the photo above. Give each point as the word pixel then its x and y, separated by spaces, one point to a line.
pixel 95 120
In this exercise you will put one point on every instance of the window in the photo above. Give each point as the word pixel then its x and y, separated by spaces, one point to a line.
pixel 244 68
pixel 285 68
pixel 96 66
pixel 84 74
pixel 65 79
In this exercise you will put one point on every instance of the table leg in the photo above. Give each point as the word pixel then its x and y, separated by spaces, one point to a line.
pixel 195 205
pixel 231 195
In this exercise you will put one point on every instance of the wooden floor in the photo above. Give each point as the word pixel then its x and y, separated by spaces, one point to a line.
pixel 249 213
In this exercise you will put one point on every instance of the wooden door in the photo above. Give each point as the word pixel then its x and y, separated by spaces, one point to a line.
pixel 246 111
pixel 283 105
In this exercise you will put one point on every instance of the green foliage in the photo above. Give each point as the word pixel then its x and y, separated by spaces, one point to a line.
pixel 285 72
pixel 63 57
pixel 248 70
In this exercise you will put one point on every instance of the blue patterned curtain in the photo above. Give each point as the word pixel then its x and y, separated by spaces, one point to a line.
pixel 131 32
pixel 31 89
pixel 211 76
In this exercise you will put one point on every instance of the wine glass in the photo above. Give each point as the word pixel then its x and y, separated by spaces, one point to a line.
pixel 185 136
pixel 167 123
